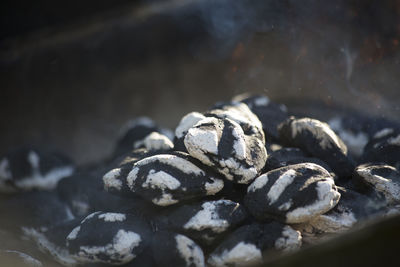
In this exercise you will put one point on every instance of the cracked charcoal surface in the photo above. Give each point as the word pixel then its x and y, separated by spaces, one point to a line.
pixel 292 194
pixel 317 139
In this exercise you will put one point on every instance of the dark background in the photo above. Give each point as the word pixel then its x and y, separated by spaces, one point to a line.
pixel 72 72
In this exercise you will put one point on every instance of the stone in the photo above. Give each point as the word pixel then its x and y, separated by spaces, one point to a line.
pixel 292 194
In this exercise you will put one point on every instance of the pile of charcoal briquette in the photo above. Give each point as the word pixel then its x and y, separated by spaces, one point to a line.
pixel 233 186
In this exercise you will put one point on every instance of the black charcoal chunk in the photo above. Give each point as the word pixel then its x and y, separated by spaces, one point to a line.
pixel 107 237
pixel 317 139
pixel 166 179
pixel 382 178
pixel 384 147
pixel 39 209
pixel 352 208
pixel 29 168
pixel 172 249
pixel 187 122
pixel 292 194
pixel 270 114
pixel 250 244
pixel 223 145
pixel 134 132
pixel 84 194
pixel 154 141
pixel 208 220
pixel 283 157
pixel 52 240
pixel 17 258
pixel 242 115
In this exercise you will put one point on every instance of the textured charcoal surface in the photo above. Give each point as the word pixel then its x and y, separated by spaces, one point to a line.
pixel 248 244
pixel 33 209
pixel 224 145
pixel 167 179
pixel 207 221
pixel 108 237
pixel 172 249
pixel 28 168
pixel 317 139
pixel 269 113
pixel 292 194
pixel 134 132
pixel 383 147
pixel 382 178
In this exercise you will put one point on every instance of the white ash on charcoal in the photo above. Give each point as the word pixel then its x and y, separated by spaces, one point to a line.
pixel 319 140
pixel 167 179
pixel 133 134
pixel 187 122
pixel 382 178
pixel 154 141
pixel 40 209
pixel 207 221
pixel 241 114
pixel 29 168
pixel 52 240
pixel 18 258
pixel 172 249
pixel 352 208
pixel 223 145
pixel 269 113
pixel 107 237
pixel 383 147
pixel 292 194
pixel 251 244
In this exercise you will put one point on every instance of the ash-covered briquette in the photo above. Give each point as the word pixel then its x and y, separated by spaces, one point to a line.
pixel 52 240
pixel 352 208
pixel 29 168
pixel 242 115
pixel 207 221
pixel 133 133
pixel 249 244
pixel 172 249
pixel 289 156
pixel 383 147
pixel 166 179
pixel 269 113
pixel 382 178
pixel 154 141
pixel 38 209
pixel 292 194
pixel 18 258
pixel 187 122
pixel 317 139
pixel 222 144
pixel 108 237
